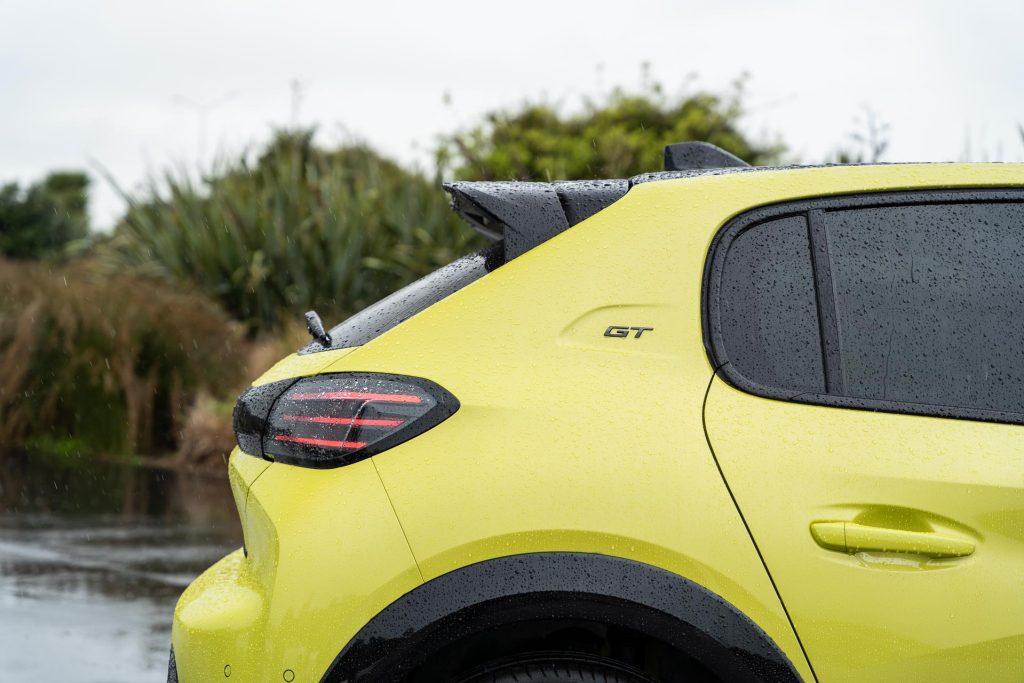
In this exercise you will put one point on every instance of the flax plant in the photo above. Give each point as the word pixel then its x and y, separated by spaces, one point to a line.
pixel 299 227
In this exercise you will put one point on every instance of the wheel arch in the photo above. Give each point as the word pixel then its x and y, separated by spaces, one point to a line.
pixel 506 594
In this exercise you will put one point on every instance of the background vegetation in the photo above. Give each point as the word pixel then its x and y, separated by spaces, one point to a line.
pixel 136 341
pixel 621 135
pixel 45 219
pixel 105 363
pixel 300 227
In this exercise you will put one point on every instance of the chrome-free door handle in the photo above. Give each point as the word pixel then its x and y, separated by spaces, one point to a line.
pixel 852 538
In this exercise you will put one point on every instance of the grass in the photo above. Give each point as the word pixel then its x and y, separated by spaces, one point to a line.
pixel 106 362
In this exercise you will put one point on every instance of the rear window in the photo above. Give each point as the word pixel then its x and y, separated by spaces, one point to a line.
pixel 910 303
pixel 929 301
pixel 395 309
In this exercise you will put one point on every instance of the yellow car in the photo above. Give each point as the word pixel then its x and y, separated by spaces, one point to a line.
pixel 711 423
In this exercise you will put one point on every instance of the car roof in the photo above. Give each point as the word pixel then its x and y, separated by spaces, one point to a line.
pixel 703 172
pixel 524 214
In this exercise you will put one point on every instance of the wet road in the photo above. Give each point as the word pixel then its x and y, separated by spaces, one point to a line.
pixel 90 573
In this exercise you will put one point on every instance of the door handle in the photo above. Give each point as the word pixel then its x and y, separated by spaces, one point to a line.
pixel 852 538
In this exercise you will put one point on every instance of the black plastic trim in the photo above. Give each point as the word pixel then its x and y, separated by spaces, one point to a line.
pixel 714 264
pixel 525 214
pixel 522 214
pixel 172 669
pixel 593 587
pixel 698 155
pixel 658 176
pixel 252 409
pixel 825 295
pixel 394 309
pixel 581 199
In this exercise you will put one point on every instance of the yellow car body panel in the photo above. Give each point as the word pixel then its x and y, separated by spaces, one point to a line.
pixel 571 441
pixel 530 462
pixel 301 365
pixel 889 615
pixel 325 554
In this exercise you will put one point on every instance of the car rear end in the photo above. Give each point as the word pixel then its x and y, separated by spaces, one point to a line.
pixel 323 544
pixel 482 412
pixel 321 547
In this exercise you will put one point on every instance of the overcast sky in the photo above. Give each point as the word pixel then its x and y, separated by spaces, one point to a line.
pixel 124 84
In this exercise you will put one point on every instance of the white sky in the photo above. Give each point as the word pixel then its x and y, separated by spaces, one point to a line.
pixel 85 83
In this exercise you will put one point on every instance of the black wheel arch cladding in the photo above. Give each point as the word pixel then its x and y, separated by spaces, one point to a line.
pixel 659 604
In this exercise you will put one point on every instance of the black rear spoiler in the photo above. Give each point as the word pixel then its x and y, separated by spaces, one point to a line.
pixel 525 214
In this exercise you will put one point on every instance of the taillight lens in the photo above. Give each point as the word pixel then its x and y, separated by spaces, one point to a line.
pixel 337 419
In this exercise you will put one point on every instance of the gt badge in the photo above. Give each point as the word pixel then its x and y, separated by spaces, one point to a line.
pixel 621 331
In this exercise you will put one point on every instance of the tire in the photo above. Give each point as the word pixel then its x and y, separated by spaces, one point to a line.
pixel 568 669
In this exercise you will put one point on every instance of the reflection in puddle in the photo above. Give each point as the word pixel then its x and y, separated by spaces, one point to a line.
pixel 92 560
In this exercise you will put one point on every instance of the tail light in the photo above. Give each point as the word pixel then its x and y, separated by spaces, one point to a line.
pixel 337 419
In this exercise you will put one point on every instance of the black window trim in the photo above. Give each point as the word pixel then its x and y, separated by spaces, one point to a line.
pixel 812 210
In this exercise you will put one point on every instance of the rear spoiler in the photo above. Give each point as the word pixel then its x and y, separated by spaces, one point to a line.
pixel 525 214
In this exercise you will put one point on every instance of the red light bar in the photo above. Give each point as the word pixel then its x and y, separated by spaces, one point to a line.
pixel 326 443
pixel 357 396
pixel 357 421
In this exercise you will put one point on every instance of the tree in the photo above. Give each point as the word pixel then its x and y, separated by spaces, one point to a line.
pixel 44 218
pixel 616 136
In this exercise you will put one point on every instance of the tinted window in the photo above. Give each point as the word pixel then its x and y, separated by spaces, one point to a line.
pixel 767 307
pixel 392 310
pixel 930 303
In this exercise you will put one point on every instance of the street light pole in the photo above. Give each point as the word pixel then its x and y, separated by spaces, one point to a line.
pixel 202 111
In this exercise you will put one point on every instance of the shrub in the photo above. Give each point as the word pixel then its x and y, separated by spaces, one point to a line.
pixel 110 362
pixel 43 219
pixel 615 136
pixel 298 228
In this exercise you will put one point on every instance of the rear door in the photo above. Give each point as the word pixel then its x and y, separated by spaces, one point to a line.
pixel 868 416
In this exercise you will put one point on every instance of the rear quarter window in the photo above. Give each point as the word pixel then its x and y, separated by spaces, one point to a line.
pixel 769 320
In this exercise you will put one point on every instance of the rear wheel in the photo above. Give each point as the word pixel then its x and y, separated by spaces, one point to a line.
pixel 556 669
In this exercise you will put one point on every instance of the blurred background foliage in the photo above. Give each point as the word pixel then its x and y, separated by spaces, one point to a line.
pixel 106 363
pixel 621 135
pixel 44 219
pixel 134 341
pixel 300 227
